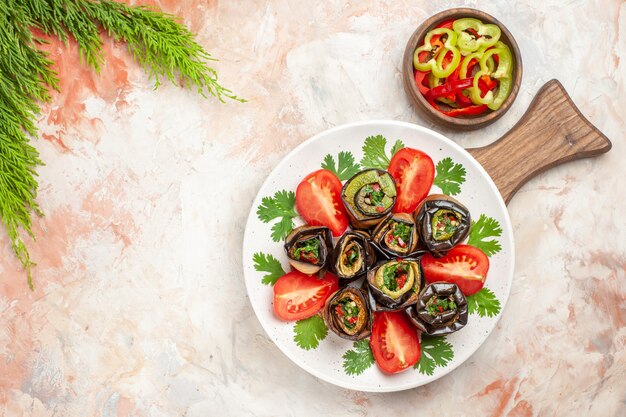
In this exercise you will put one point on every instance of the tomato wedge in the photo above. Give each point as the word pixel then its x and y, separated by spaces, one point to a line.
pixel 318 200
pixel 299 296
pixel 394 342
pixel 414 173
pixel 464 265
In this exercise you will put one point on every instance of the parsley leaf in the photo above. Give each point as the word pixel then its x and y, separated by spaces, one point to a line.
pixel 309 332
pixel 436 351
pixel 281 205
pixel 484 302
pixel 346 168
pixel 449 176
pixel 374 155
pixel 483 228
pixel 267 263
pixel 356 361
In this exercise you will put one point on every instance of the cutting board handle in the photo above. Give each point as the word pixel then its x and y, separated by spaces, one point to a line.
pixel 551 132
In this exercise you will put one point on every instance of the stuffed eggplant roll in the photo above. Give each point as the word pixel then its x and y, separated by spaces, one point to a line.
pixel 309 248
pixel 348 314
pixel 442 222
pixel 368 196
pixel 441 309
pixel 396 235
pixel 353 256
pixel 394 284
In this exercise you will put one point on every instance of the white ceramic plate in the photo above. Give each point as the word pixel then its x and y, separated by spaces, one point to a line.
pixel 478 193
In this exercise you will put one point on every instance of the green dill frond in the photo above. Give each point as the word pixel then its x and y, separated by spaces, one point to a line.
pixel 157 41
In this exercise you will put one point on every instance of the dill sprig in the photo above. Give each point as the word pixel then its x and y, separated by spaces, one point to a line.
pixel 163 46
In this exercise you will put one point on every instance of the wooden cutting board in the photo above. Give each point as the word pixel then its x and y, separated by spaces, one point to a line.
pixel 551 132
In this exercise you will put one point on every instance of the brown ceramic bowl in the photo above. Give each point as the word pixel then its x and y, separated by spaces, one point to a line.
pixel 419 101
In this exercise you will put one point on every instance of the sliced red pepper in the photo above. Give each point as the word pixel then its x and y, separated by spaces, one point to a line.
pixel 473 32
pixel 462 99
pixel 449 88
pixel 486 84
pixel 420 77
pixel 446 24
pixel 465 111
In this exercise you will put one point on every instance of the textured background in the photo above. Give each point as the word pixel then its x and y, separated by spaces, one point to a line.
pixel 140 307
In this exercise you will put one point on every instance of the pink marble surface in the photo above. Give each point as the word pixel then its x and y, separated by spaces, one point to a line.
pixel 140 307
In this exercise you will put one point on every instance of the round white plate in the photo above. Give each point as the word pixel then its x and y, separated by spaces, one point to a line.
pixel 478 193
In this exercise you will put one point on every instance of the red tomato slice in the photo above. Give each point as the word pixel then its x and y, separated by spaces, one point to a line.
pixel 414 173
pixel 318 199
pixel 394 342
pixel 299 296
pixel 464 265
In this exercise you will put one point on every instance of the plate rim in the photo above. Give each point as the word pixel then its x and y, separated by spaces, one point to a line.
pixel 510 243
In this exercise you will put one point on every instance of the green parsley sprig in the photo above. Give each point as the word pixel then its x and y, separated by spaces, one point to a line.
pixel 482 229
pixel 484 303
pixel 264 262
pixel 356 361
pixel 449 176
pixel 374 154
pixel 436 351
pixel 346 166
pixel 308 333
pixel 283 206
pixel 163 46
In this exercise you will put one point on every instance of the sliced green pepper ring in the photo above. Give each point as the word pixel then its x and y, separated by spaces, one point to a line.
pixel 502 73
pixel 488 35
pixel 435 63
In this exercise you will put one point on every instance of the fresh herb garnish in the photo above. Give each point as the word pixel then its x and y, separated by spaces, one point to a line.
pixel 310 332
pixel 375 194
pixel 351 257
pixel 436 305
pixel 392 274
pixel 268 263
pixel 436 351
pixel 346 168
pixel 163 46
pixel 282 206
pixel 449 176
pixel 401 231
pixel 349 311
pixel 356 361
pixel 308 250
pixel 484 303
pixel 482 229
pixel 374 155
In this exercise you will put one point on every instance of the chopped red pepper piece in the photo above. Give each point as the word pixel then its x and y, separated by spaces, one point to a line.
pixel 465 111
pixel 420 77
pixel 446 24
pixel 449 88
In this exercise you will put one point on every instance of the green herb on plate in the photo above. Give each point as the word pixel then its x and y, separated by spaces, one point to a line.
pixel 485 227
pixel 436 351
pixel 283 206
pixel 449 176
pixel 310 332
pixel 374 155
pixel 356 361
pixel 484 303
pixel 268 263
pixel 346 167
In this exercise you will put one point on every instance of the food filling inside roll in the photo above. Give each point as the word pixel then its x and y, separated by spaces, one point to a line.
pixel 397 238
pixel 444 224
pixel 395 279
pixel 350 314
pixel 437 306
pixel 351 259
pixel 373 193
pixel 307 250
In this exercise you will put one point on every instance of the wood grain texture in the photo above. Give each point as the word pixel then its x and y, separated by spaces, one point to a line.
pixel 551 132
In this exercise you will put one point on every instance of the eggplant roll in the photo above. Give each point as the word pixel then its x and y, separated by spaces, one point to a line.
pixel 396 235
pixel 348 314
pixel 368 196
pixel 442 222
pixel 309 248
pixel 353 256
pixel 441 309
pixel 394 284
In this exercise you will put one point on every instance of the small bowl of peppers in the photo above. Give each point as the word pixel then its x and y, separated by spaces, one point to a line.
pixel 462 69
